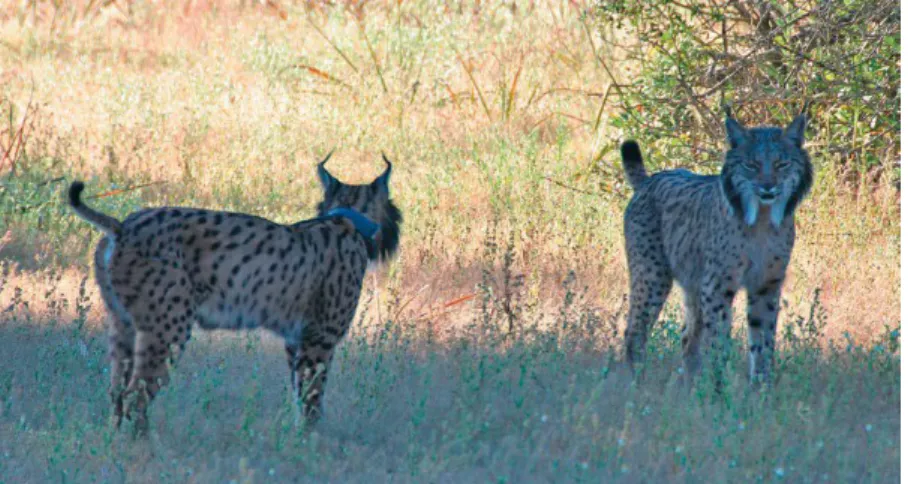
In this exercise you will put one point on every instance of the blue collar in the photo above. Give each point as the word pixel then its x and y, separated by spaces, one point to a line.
pixel 365 226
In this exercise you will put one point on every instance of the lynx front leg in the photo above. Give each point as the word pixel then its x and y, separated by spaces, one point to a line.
pixel 328 314
pixel 297 386
pixel 762 316
pixel 716 297
pixel 309 364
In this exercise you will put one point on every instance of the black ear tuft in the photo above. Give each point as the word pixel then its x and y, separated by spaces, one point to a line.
pixel 795 130
pixel 384 179
pixel 735 133
pixel 726 108
pixel 327 179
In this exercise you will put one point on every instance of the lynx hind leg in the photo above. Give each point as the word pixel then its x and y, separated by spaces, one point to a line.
pixel 163 316
pixel 690 335
pixel 120 330
pixel 650 282
pixel 121 342
pixel 648 294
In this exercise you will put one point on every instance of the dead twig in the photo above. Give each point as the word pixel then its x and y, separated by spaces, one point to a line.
pixel 333 45
pixel 469 72
pixel 574 189
pixel 90 197
pixel 318 73
pixel 446 307
pixel 381 77
pixel 125 190
pixel 17 137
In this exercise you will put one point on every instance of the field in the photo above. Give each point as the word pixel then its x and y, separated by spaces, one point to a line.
pixel 489 350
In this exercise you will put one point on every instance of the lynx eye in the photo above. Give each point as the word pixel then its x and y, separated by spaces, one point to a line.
pixel 752 165
pixel 783 164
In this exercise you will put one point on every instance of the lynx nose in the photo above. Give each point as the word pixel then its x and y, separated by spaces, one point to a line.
pixel 767 191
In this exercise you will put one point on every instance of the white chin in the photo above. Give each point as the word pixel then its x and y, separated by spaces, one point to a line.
pixel 767 202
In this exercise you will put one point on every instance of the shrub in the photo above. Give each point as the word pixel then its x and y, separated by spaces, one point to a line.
pixel 766 58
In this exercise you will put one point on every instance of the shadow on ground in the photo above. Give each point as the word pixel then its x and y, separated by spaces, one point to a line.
pixel 401 408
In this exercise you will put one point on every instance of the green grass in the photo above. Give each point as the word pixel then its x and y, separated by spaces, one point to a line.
pixel 538 407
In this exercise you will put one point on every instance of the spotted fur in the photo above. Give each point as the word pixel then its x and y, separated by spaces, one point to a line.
pixel 163 269
pixel 714 235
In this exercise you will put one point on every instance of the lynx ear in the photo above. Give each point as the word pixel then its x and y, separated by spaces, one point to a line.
pixel 795 130
pixel 384 179
pixel 735 133
pixel 327 179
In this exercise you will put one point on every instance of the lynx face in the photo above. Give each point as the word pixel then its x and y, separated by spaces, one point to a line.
pixel 766 167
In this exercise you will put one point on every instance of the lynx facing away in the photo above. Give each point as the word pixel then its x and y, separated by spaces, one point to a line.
pixel 714 235
pixel 162 269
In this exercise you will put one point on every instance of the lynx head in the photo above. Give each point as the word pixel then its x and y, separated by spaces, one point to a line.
pixel 372 200
pixel 766 167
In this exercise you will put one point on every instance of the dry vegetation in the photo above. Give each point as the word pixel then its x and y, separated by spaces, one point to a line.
pixel 486 351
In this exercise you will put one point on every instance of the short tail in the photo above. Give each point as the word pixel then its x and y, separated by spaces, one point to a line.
pixel 633 163
pixel 108 224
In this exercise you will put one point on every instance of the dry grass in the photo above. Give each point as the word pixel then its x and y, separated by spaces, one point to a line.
pixel 495 120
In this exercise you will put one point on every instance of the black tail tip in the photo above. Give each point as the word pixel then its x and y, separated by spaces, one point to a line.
pixel 75 193
pixel 630 151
